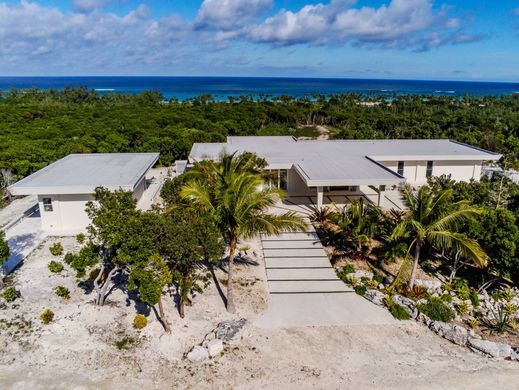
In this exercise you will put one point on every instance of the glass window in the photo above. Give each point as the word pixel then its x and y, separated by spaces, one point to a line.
pixel 400 170
pixel 283 179
pixel 428 172
pixel 47 204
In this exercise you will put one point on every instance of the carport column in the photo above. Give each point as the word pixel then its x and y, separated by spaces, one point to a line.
pixel 320 197
pixel 380 200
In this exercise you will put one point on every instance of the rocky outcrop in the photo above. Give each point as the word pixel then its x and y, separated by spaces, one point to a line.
pixel 454 333
pixel 491 348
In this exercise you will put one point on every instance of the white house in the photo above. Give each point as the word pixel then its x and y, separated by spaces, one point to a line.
pixel 65 186
pixel 324 169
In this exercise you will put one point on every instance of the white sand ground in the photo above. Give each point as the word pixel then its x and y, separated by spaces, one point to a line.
pixel 77 350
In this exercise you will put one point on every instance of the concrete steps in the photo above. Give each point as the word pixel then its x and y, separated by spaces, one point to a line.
pixel 294 252
pixel 301 274
pixel 293 244
pixel 291 237
pixel 297 262
pixel 308 286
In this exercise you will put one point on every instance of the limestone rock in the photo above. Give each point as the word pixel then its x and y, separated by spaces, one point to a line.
pixel 407 304
pixel 214 347
pixel 229 331
pixel 429 284
pixel 198 354
pixel 360 274
pixel 454 333
pixel 491 348
pixel 375 296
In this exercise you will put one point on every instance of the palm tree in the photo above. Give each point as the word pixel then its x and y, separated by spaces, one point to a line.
pixel 232 190
pixel 433 218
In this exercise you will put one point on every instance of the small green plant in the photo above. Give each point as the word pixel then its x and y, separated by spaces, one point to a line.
pixel 508 294
pixel 125 343
pixel 47 316
pixel 140 321
pixel 510 308
pixel 364 279
pixel 498 322
pixel 435 309
pixel 378 278
pixel 56 249
pixel 353 281
pixel 462 288
pixel 244 248
pixel 446 298
pixel 474 298
pixel 10 294
pixel 360 289
pixel 372 283
pixel 62 291
pixel 55 266
pixel 347 269
pixel 463 308
pixel 473 322
pixel 399 312
pixel 80 238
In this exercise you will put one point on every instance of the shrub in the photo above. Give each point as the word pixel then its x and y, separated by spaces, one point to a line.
pixel 10 294
pixel 125 343
pixel 399 312
pixel 461 286
pixel 55 266
pixel 417 292
pixel 47 316
pixel 140 321
pixel 436 310
pixel 56 249
pixel 80 238
pixel 474 298
pixel 473 322
pixel 360 289
pixel 348 269
pixel 62 291
pixel 378 278
pixel 510 308
pixel 87 257
pixel 463 308
pixel 446 298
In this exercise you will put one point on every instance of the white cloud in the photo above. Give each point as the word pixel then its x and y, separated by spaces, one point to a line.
pixel 230 14
pixel 89 5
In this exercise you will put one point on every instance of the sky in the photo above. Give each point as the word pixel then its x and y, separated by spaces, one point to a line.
pixel 390 39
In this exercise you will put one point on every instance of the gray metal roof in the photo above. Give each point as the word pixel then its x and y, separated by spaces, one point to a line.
pixel 82 173
pixel 342 162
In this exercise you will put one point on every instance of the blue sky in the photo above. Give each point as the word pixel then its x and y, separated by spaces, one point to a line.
pixel 410 39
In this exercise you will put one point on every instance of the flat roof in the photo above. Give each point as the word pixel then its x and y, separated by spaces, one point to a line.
pixel 342 162
pixel 83 173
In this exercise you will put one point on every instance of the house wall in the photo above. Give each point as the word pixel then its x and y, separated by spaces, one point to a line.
pixel 415 171
pixel 296 186
pixel 68 216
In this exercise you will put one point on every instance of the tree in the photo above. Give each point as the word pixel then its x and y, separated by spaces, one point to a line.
pixel 232 191
pixel 359 223
pixel 188 238
pixel 4 251
pixel 122 234
pixel 433 218
pixel 151 277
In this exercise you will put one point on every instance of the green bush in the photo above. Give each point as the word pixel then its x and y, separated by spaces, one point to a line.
pixel 378 278
pixel 47 316
pixel 80 238
pixel 399 312
pixel 10 294
pixel 56 249
pixel 436 310
pixel 62 291
pixel 474 298
pixel 140 321
pixel 343 273
pixel 462 288
pixel 360 289
pixel 87 257
pixel 55 266
pixel 446 298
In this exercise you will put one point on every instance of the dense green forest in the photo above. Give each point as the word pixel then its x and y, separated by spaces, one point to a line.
pixel 40 126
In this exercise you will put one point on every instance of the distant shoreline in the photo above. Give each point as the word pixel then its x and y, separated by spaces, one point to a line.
pixel 220 88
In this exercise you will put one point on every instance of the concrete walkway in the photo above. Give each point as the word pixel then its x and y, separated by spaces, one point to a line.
pixel 305 290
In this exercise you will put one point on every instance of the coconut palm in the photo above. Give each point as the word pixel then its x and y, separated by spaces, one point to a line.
pixel 232 190
pixel 434 219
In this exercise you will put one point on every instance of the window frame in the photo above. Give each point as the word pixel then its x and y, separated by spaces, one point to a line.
pixel 47 205
pixel 429 169
pixel 400 168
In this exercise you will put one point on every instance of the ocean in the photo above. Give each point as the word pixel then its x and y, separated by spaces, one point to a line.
pixel 221 88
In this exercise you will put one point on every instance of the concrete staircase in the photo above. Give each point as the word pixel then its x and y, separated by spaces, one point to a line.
pixel 296 263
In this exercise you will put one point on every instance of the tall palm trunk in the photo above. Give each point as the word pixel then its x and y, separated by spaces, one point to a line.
pixel 165 322
pixel 231 308
pixel 415 263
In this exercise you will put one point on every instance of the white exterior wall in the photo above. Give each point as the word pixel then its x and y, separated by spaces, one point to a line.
pixel 139 188
pixel 68 216
pixel 296 186
pixel 415 171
